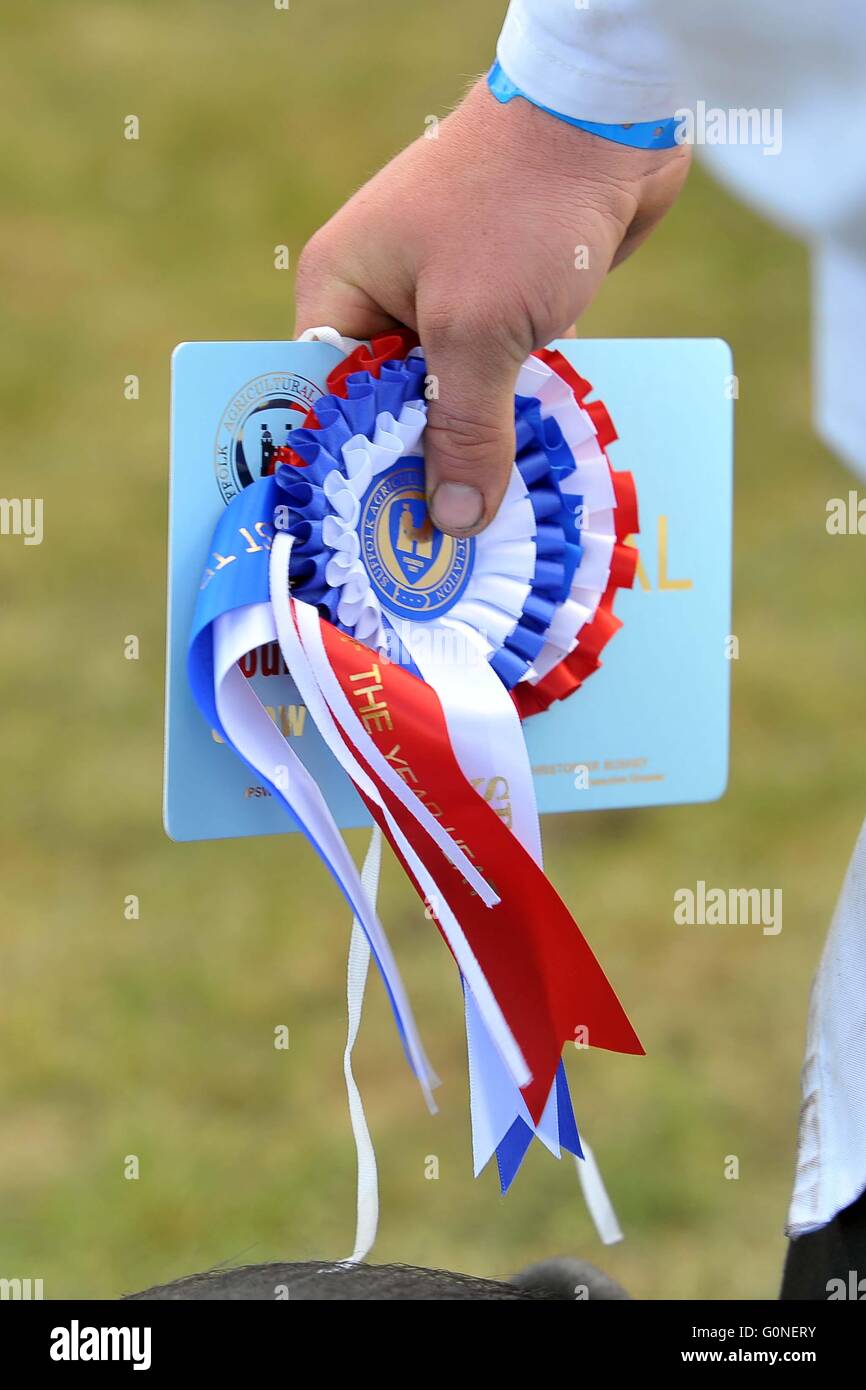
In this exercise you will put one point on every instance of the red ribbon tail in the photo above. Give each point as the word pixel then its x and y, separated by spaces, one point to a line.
pixel 540 968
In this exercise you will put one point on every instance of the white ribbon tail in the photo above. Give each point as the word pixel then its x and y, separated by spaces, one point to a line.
pixel 596 1198
pixel 367 1219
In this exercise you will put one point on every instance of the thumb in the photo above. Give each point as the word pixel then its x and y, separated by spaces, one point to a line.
pixel 469 439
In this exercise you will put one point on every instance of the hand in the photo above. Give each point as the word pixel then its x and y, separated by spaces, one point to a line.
pixel 488 241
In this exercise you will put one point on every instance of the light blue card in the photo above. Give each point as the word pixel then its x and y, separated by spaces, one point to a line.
pixel 650 728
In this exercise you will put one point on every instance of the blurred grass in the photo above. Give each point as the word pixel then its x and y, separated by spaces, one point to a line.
pixel 155 1037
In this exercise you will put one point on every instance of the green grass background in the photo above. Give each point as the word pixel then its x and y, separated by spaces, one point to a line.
pixel 154 1037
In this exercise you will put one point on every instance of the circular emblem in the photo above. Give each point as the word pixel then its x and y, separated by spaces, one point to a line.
pixel 415 571
pixel 252 432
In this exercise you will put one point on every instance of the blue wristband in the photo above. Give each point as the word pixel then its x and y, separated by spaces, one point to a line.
pixel 641 135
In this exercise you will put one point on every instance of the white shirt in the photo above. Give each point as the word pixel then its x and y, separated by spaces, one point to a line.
pixel 642 60
pixel 832 1143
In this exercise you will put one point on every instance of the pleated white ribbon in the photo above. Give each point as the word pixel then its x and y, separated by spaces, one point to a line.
pixel 505 556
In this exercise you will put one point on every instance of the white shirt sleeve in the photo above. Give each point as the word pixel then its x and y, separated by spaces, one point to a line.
pixel 831 1158
pixel 606 60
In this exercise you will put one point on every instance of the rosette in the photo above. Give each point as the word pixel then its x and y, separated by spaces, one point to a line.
pixel 538 584
pixel 417 655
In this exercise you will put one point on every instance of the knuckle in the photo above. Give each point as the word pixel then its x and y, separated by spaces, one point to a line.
pixel 466 444
pixel 443 326
pixel 477 331
pixel 474 320
pixel 311 262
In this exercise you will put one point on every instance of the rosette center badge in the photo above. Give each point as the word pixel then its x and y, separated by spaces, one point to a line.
pixel 415 571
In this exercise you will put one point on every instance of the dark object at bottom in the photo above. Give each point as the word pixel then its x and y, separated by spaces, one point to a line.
pixel 835 1253
pixel 565 1278
pixel 552 1281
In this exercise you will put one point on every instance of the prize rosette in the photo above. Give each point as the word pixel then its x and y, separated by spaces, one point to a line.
pixel 418 655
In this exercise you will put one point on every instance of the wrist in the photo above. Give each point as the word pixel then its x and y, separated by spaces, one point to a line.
pixel 524 141
pixel 534 151
pixel 642 135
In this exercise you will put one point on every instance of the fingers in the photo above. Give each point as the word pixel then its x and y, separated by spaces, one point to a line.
pixel 340 306
pixel 469 440
pixel 324 295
